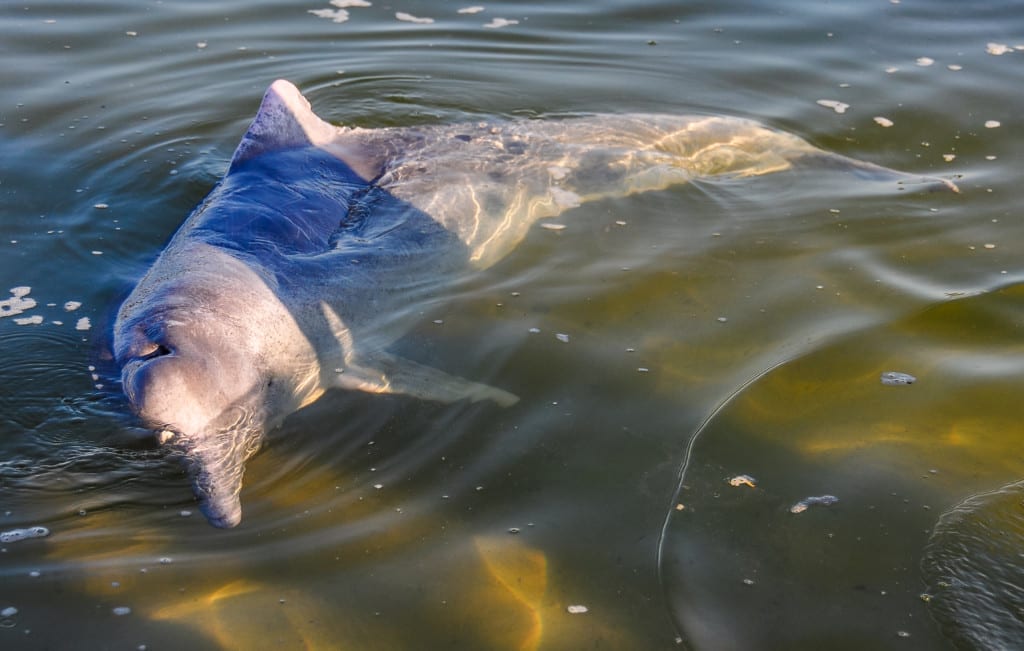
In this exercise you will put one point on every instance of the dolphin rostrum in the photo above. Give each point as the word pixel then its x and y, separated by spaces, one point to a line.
pixel 294 274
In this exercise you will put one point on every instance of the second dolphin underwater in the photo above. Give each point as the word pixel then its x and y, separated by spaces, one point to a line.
pixel 290 277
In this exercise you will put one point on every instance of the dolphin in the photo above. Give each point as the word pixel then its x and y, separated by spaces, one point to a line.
pixel 295 273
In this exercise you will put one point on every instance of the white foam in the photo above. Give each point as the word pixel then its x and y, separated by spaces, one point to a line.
pixel 17 303
pixel 471 10
pixel 409 18
pixel 334 15
pixel 14 535
pixel 83 324
pixel 497 23
pixel 834 104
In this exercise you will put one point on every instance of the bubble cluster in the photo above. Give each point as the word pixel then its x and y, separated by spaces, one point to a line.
pixel 14 535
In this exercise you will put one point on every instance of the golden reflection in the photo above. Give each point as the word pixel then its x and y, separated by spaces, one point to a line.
pixel 243 614
pixel 518 588
pixel 522 575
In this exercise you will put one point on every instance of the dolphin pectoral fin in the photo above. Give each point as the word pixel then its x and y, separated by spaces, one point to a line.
pixel 384 373
pixel 390 374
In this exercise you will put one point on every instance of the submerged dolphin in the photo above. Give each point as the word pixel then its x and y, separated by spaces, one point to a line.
pixel 291 277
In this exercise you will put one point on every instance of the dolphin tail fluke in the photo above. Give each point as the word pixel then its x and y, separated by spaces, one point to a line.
pixel 826 160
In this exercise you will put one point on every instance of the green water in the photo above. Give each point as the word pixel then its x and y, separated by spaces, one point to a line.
pixel 764 312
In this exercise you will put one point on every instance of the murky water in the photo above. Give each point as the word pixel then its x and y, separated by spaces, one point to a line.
pixel 714 330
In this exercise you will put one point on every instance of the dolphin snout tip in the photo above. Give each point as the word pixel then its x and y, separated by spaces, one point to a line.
pixel 222 516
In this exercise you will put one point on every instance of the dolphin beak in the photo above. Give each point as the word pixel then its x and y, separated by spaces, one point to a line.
pixel 216 469
pixel 218 495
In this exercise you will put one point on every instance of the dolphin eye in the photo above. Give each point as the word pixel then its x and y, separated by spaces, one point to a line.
pixel 152 349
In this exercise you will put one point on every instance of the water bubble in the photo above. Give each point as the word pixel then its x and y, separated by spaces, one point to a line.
pixel 896 378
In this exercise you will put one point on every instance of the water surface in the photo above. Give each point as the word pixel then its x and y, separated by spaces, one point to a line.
pixel 763 314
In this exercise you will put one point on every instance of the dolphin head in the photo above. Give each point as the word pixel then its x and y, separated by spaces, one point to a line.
pixel 184 375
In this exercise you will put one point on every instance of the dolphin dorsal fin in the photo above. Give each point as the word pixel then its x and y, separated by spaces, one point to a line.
pixel 285 121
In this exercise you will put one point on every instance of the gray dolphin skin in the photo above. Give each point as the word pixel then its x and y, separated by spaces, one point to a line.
pixel 297 271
